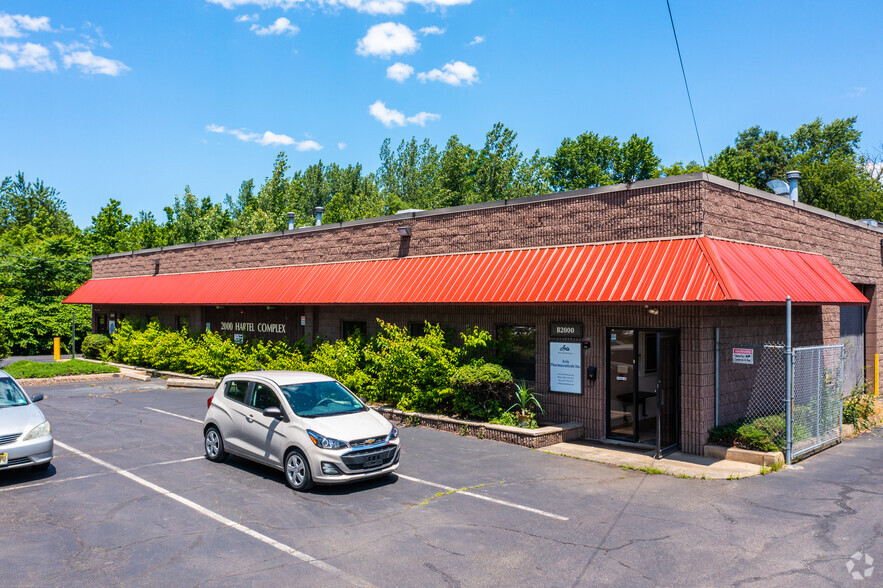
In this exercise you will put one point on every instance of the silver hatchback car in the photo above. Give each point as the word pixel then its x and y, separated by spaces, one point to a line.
pixel 307 425
pixel 25 439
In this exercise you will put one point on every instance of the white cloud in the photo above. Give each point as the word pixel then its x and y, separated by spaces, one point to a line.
pixel 267 138
pixel 858 91
pixel 246 18
pixel 476 40
pixel 387 7
pixel 399 72
pixel 432 31
pixel 30 56
pixel 387 39
pixel 12 25
pixel 391 117
pixel 455 73
pixel 281 26
pixel 94 64
pixel 263 4
pixel 341 145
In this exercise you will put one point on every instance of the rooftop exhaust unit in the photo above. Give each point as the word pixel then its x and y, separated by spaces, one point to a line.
pixel 319 210
pixel 290 221
pixel 789 189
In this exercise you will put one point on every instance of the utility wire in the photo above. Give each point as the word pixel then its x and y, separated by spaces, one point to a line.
pixel 47 259
pixel 683 71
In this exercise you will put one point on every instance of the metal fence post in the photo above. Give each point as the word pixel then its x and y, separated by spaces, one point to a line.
pixel 74 335
pixel 840 389
pixel 788 383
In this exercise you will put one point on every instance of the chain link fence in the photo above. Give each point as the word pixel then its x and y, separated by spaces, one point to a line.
pixel 751 390
pixel 817 405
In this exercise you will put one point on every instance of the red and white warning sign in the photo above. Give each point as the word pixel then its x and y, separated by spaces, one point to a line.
pixel 743 355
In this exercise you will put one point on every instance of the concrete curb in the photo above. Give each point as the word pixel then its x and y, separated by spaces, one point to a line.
pixel 762 458
pixel 30 382
pixel 190 383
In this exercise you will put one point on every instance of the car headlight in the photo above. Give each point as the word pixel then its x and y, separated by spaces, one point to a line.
pixel 40 430
pixel 394 433
pixel 325 442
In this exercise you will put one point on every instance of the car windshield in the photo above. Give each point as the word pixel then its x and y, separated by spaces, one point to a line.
pixel 316 399
pixel 11 394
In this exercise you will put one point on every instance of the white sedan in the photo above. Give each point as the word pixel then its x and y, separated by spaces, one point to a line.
pixel 25 439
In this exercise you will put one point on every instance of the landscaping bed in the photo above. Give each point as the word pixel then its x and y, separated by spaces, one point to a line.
pixel 534 438
pixel 25 369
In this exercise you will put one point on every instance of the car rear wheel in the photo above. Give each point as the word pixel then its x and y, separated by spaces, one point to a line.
pixel 297 471
pixel 214 445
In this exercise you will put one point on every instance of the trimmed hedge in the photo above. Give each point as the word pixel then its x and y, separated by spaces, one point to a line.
pixel 429 373
pixel 93 346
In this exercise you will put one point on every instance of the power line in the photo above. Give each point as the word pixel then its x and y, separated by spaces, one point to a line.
pixel 683 71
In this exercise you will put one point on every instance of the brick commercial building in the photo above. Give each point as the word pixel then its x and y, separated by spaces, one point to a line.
pixel 611 297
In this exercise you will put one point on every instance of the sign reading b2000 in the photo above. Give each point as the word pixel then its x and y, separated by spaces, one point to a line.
pixel 566 330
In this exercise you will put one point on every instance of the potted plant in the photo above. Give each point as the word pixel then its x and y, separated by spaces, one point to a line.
pixel 525 400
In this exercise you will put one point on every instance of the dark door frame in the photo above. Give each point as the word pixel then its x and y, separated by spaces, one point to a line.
pixel 677 395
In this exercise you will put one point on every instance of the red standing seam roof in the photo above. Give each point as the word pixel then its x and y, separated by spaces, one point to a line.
pixel 691 270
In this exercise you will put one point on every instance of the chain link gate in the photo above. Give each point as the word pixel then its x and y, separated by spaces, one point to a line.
pixel 752 389
pixel 817 397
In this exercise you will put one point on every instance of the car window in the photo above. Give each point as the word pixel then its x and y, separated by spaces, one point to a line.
pixel 264 397
pixel 315 399
pixel 11 394
pixel 236 390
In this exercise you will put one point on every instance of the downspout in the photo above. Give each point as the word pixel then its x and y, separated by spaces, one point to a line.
pixel 789 366
pixel 717 375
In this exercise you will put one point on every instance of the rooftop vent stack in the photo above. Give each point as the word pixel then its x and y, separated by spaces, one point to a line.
pixel 290 221
pixel 319 210
pixel 793 179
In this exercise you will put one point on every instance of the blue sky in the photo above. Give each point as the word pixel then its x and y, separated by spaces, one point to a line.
pixel 135 100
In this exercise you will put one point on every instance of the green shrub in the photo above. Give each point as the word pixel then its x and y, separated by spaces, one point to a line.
pixel 74 367
pixel 27 327
pixel 749 434
pixel 858 408
pixel 481 389
pixel 93 346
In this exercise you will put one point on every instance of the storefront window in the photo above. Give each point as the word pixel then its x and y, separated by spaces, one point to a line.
pixel 350 327
pixel 517 345
pixel 182 322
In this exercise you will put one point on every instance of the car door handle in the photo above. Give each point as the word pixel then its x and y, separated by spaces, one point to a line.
pixel 250 418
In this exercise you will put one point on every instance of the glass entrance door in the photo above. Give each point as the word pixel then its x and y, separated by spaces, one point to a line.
pixel 642 387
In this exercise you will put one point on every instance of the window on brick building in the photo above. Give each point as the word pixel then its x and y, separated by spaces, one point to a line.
pixel 518 351
pixel 347 328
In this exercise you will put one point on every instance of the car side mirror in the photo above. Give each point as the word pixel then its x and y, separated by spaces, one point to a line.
pixel 37 397
pixel 274 412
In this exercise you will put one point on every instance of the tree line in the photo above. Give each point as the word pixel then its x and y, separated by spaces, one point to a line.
pixel 42 251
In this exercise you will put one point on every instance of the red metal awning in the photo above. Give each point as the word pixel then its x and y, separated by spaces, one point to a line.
pixel 674 271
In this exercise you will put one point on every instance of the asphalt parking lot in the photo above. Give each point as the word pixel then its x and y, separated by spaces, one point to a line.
pixel 130 500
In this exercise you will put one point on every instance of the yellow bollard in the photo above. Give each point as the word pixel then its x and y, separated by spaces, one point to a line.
pixel 56 348
pixel 876 374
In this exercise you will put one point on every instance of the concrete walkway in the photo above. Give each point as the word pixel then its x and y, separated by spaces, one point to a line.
pixel 675 464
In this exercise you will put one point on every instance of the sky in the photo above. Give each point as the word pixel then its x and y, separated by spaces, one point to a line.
pixel 136 100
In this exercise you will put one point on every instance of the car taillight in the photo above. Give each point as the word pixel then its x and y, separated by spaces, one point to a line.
pixel 208 403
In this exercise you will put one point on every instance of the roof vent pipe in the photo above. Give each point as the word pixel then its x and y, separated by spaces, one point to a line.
pixel 319 210
pixel 793 179
pixel 290 221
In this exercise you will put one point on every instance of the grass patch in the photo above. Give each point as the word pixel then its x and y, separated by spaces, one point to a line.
pixel 455 490
pixel 645 469
pixel 31 369
pixel 764 470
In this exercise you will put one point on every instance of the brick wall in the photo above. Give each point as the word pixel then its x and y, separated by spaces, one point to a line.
pixel 651 212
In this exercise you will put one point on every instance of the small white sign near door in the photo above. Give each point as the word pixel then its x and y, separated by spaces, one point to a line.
pixel 743 355
pixel 565 367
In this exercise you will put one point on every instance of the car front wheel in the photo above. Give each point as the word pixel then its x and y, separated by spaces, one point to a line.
pixel 214 445
pixel 297 471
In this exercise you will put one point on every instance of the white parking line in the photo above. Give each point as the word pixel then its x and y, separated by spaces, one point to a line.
pixel 419 481
pixel 59 481
pixel 221 519
pixel 174 415
pixel 482 497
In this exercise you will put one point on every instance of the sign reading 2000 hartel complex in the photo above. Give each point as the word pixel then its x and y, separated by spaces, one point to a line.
pixel 565 367
pixel 274 328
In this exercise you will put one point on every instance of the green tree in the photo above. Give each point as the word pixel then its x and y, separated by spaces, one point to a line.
pixel 456 174
pixel 191 219
pixel 110 230
pixel 35 204
pixel 584 162
pixel 498 164
pixel 835 176
pixel 636 160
